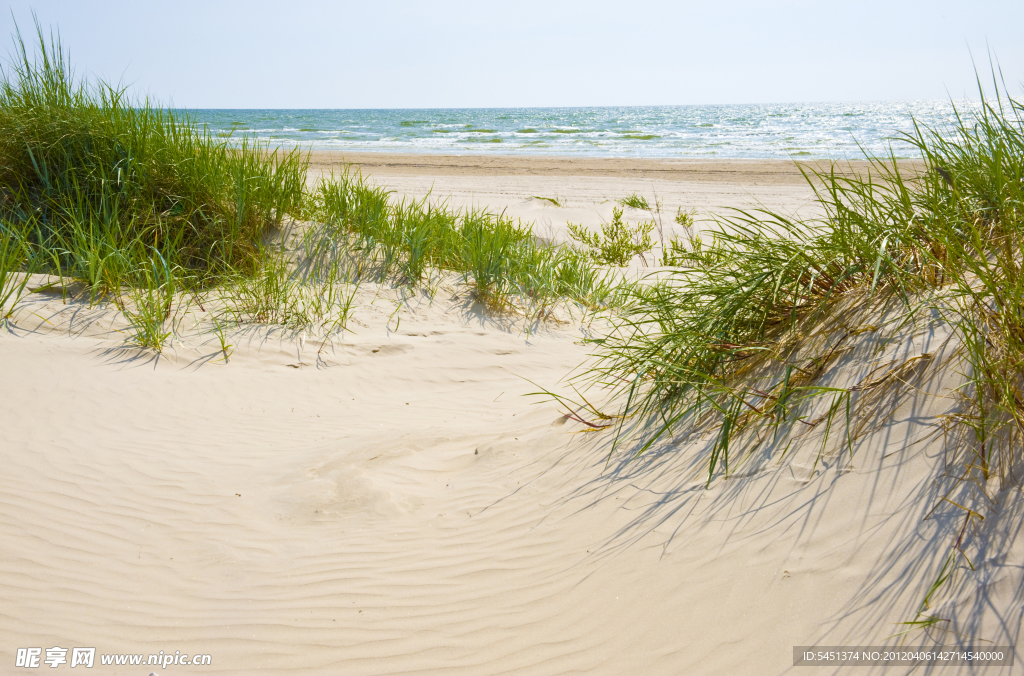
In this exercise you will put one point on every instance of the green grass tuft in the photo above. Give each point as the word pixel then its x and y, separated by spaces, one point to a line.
pixel 502 260
pixel 636 201
pixel 14 256
pixel 737 340
pixel 97 184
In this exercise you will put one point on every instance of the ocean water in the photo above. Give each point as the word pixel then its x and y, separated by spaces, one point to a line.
pixel 805 130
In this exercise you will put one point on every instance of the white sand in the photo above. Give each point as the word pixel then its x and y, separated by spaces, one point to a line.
pixel 394 504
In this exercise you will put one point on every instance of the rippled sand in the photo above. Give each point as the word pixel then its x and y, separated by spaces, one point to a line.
pixel 391 502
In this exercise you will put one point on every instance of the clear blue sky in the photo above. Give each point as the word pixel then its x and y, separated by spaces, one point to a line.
pixel 390 54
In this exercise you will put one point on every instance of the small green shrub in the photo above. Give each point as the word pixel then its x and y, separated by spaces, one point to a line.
pixel 685 218
pixel 617 243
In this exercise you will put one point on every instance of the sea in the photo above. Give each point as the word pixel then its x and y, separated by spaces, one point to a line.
pixel 753 131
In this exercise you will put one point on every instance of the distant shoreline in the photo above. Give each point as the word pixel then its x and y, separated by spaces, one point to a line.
pixel 741 172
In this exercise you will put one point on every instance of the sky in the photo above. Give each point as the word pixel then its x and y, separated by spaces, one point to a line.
pixel 481 54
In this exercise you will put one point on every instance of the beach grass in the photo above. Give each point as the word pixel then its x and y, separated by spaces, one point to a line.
pixel 13 260
pixel 150 300
pixel 738 339
pixel 953 233
pixel 505 264
pixel 142 205
pixel 101 182
pixel 636 201
pixel 145 208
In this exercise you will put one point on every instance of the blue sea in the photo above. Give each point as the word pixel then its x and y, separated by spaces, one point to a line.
pixel 804 130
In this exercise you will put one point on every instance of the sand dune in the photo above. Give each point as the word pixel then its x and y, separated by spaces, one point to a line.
pixel 391 502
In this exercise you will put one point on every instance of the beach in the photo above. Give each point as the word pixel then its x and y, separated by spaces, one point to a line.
pixel 399 499
pixel 587 189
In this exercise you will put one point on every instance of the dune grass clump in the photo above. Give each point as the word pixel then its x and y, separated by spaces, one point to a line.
pixel 739 340
pixel 636 201
pixel 502 259
pixel 150 212
pixel 951 233
pixel 105 189
pixel 972 207
pixel 13 258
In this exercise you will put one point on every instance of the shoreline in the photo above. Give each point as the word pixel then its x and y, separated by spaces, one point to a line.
pixel 760 172
pixel 586 188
